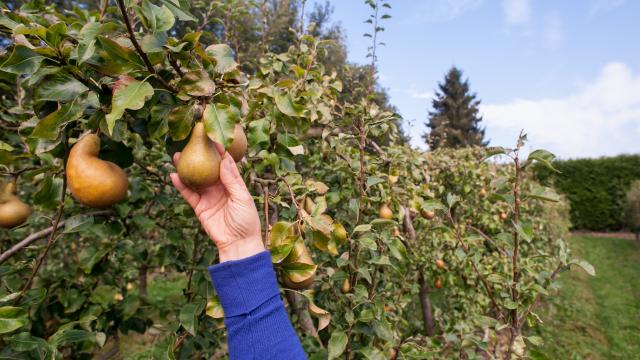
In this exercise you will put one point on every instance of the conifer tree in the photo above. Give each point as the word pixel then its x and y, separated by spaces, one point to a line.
pixel 454 121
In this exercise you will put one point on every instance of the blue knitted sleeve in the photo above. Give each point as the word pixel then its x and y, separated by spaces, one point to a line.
pixel 257 323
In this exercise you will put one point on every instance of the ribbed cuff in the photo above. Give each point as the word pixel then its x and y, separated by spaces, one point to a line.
pixel 243 285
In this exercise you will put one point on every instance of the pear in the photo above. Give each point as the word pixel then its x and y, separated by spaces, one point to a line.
pixel 428 214
pixel 13 211
pixel 238 147
pixel 199 163
pixel 339 232
pixel 385 212
pixel 346 286
pixel 94 182
pixel 440 264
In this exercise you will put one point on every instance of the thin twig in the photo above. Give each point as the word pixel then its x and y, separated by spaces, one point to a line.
pixel 39 235
pixel 50 242
pixel 139 50
pixel 265 192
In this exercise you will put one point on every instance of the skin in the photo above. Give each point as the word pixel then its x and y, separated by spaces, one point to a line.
pixel 226 211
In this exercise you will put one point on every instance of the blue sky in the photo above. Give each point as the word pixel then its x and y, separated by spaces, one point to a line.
pixel 568 71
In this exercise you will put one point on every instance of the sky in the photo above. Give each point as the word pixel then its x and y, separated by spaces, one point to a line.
pixel 567 72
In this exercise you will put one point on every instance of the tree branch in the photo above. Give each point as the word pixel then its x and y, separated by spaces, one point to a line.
pixel 39 235
pixel 139 50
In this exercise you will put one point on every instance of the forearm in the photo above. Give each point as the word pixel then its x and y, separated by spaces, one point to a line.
pixel 257 323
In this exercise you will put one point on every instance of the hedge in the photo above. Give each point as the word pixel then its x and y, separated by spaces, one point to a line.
pixel 596 189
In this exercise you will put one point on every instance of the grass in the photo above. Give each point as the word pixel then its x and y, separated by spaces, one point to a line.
pixel 596 317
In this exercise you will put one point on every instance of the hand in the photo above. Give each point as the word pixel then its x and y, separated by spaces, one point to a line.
pixel 226 211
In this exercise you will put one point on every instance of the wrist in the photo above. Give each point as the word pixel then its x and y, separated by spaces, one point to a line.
pixel 240 249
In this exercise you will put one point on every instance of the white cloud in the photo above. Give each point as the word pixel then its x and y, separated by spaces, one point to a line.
pixel 603 118
pixel 422 95
pixel 444 10
pixel 553 31
pixel 516 12
pixel 602 6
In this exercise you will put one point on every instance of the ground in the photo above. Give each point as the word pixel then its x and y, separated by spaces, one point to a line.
pixel 596 317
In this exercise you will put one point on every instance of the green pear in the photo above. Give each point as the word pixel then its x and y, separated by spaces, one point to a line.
pixel 199 163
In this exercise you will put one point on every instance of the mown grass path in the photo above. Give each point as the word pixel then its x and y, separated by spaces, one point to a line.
pixel 596 317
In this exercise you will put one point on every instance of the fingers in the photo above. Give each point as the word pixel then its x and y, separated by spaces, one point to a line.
pixel 189 195
pixel 220 148
pixel 232 180
pixel 176 158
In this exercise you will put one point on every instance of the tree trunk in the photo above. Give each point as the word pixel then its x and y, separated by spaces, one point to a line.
pixel 142 277
pixel 425 305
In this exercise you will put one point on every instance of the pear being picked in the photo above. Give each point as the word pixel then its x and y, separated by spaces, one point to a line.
pixel 13 211
pixel 94 182
pixel 199 163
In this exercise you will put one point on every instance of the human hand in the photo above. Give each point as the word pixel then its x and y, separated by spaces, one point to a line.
pixel 226 211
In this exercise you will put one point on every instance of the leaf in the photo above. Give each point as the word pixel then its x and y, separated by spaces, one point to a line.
pixel 214 308
pixel 180 120
pixel 373 180
pixel 197 83
pixel 49 127
pixel 544 193
pixel 219 121
pixel 157 18
pixel 87 42
pixel 12 318
pixel 337 344
pixel 588 268
pixel 103 295
pixel 178 11
pixel 279 232
pixel 77 223
pixel 362 228
pixel 128 93
pixel 72 336
pixel 542 156
pixel 91 255
pixel 223 55
pixel 496 150
pixel 26 342
pixel 59 87
pixel 286 105
pixel 299 272
pixel 5 147
pixel 189 317
pixel 22 61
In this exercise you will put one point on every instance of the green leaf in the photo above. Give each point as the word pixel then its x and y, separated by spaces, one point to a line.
pixel 157 18
pixel 26 342
pixel 496 150
pixel 5 147
pixel 189 317
pixel 362 228
pixel 223 55
pixel 91 255
pixel 49 127
pixel 219 121
pixel 214 308
pixel 59 87
pixel 337 344
pixel 71 336
pixel 118 59
pixel 22 61
pixel 87 42
pixel 128 93
pixel 280 233
pixel 177 10
pixel 12 318
pixel 588 268
pixel 197 83
pixel 544 193
pixel 103 295
pixel 542 156
pixel 285 104
pixel 180 121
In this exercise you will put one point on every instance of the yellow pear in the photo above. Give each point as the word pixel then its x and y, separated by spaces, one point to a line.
pixel 13 211
pixel 94 182
pixel 238 147
pixel 339 232
pixel 199 163
pixel 385 212
pixel 346 286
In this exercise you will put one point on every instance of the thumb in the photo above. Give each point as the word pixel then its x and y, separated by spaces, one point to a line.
pixel 232 180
